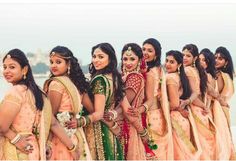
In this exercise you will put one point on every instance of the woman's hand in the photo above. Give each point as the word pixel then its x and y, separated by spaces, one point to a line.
pixel 205 111
pixel 72 124
pixel 108 116
pixel 76 154
pixel 134 112
pixel 23 144
pixel 184 103
pixel 184 113
pixel 222 102
pixel 145 139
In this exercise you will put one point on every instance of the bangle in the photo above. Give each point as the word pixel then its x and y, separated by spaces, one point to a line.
pixel 72 149
pixel 143 133
pixel 16 139
pixel 87 119
pixel 190 101
pixel 114 114
pixel 49 143
pixel 114 126
pixel 84 121
pixel 145 107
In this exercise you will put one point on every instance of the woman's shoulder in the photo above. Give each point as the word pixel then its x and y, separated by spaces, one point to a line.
pixel 16 93
pixel 18 89
pixel 135 76
pixel 101 77
pixel 172 78
pixel 189 70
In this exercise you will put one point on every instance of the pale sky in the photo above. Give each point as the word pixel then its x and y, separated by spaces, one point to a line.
pixel 80 25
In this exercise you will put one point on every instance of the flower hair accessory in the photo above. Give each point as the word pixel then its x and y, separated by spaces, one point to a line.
pixel 8 56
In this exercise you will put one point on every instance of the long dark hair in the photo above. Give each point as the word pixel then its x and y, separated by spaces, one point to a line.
pixel 111 68
pixel 157 47
pixel 203 77
pixel 229 68
pixel 76 75
pixel 135 48
pixel 183 77
pixel 210 61
pixel 20 57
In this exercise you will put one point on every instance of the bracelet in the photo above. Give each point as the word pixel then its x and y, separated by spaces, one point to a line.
pixel 49 143
pixel 145 106
pixel 114 126
pixel 72 149
pixel 88 121
pixel 190 101
pixel 143 133
pixel 114 114
pixel 16 139
pixel 79 123
pixel 84 121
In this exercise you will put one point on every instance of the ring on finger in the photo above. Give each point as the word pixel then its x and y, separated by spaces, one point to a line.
pixel 27 147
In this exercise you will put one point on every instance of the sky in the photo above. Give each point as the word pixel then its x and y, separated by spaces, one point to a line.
pixel 80 25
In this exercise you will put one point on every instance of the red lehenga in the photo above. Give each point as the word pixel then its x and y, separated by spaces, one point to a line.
pixel 133 145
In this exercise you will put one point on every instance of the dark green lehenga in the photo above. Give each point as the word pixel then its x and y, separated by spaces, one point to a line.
pixel 103 144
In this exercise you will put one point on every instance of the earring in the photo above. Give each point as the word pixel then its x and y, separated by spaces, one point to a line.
pixel 24 76
pixel 138 66
pixel 225 65
pixel 68 70
pixel 178 70
pixel 193 64
pixel 124 70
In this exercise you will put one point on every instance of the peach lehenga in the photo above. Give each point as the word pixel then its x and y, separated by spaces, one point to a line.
pixel 158 117
pixel 23 124
pixel 206 128
pixel 222 120
pixel 184 131
pixel 70 102
pixel 133 145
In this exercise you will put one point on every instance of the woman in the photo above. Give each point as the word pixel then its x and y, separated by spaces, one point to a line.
pixel 66 90
pixel 198 83
pixel 185 138
pixel 108 91
pixel 207 61
pixel 132 130
pixel 25 114
pixel 225 74
pixel 157 110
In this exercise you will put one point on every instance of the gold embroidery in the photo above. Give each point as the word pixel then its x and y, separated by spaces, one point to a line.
pixel 98 141
pixel 98 87
pixel 180 132
pixel 12 99
pixel 198 120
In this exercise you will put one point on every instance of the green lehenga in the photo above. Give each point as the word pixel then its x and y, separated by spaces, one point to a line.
pixel 102 142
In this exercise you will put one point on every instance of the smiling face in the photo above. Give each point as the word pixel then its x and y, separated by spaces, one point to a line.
pixel 130 61
pixel 58 65
pixel 149 52
pixel 220 61
pixel 187 58
pixel 171 64
pixel 12 71
pixel 100 59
